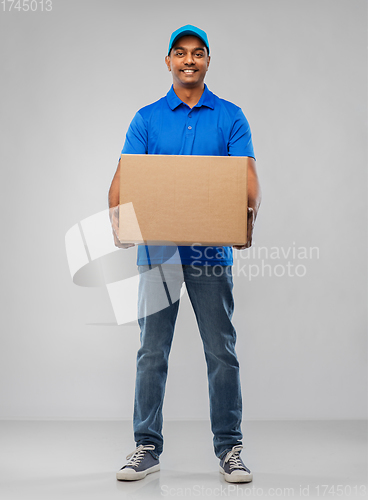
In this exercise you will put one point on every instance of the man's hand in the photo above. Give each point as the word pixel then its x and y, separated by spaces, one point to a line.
pixel 114 218
pixel 250 226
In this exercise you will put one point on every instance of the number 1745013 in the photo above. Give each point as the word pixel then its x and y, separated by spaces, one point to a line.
pixel 26 5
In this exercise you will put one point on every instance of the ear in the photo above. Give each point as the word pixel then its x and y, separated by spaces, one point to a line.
pixel 208 61
pixel 167 61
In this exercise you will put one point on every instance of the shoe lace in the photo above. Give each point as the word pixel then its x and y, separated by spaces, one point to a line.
pixel 135 458
pixel 234 459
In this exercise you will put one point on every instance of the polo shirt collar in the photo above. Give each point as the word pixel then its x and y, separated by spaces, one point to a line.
pixel 207 99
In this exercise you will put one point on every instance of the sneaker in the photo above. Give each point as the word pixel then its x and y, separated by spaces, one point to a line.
pixel 232 466
pixel 140 463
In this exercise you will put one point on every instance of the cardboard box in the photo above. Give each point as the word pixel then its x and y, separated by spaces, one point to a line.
pixel 183 199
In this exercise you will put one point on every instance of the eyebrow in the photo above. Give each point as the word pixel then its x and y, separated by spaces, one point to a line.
pixel 182 48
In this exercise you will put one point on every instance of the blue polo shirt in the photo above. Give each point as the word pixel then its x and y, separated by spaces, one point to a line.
pixel 213 127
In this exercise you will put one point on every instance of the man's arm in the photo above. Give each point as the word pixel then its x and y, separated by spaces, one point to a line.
pixel 114 208
pixel 135 143
pixel 254 201
pixel 240 144
pixel 114 189
pixel 254 189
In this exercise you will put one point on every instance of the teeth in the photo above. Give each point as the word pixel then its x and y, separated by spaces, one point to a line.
pixel 188 70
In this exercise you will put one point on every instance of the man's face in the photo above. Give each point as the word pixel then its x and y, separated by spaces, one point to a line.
pixel 188 61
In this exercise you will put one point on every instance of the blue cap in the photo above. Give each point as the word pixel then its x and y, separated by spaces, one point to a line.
pixel 188 29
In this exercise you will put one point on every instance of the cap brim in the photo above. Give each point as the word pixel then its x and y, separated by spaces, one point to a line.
pixel 185 33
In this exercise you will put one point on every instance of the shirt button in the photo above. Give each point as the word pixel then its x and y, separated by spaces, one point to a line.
pixel 189 127
pixel 190 116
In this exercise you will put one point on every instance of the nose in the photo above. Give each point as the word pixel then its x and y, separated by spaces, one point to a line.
pixel 189 59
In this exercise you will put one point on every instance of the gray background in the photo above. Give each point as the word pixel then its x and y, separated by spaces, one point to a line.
pixel 71 81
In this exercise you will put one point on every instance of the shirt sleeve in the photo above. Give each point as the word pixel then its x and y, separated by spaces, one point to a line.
pixel 240 143
pixel 136 139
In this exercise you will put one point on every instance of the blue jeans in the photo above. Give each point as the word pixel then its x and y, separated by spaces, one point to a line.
pixel 210 292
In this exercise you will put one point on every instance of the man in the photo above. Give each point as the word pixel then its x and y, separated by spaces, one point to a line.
pixel 189 120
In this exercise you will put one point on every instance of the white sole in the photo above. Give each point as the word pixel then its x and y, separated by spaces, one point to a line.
pixel 132 475
pixel 239 478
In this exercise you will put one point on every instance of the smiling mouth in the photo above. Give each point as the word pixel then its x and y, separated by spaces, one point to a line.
pixel 188 71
